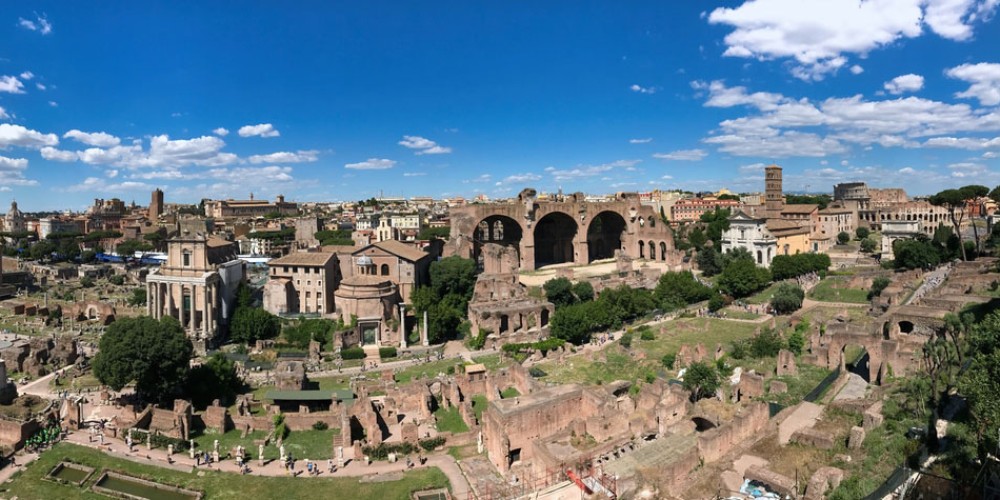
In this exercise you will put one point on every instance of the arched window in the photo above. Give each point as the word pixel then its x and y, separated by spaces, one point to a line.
pixel 652 251
pixel 484 231
pixel 663 251
pixel 642 249
pixel 760 257
pixel 385 269
pixel 497 231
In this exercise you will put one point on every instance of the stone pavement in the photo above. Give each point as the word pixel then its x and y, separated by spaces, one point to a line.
pixel 803 417
pixel 182 462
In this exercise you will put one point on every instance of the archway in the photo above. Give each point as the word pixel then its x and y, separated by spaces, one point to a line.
pixel 663 251
pixel 906 327
pixel 604 235
pixel 703 424
pixel 554 239
pixel 498 229
pixel 652 250
pixel 855 359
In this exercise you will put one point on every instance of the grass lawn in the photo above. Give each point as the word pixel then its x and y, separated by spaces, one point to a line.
pixel 619 365
pixel 215 485
pixel 510 392
pixel 799 385
pixel 479 404
pixel 85 381
pixel 493 362
pixel 829 290
pixel 763 296
pixel 310 444
pixel 450 420
pixel 331 383
pixel 431 369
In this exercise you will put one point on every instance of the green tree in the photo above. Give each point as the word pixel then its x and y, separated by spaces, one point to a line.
pixel 584 291
pixel 796 341
pixel 128 248
pixel 250 324
pixel 766 344
pixel 953 200
pixel 915 254
pixel 791 266
pixel 214 379
pixel 843 238
pixel 678 289
pixel 973 194
pixel 87 282
pixel 716 302
pixel 861 232
pixel 559 291
pixel 741 278
pixel 878 284
pixel 138 297
pixel 709 261
pixel 454 275
pixel 787 298
pixel 244 295
pixel 868 245
pixel 154 355
pixel 117 279
pixel 702 379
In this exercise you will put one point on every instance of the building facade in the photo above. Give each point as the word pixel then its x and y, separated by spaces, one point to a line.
pixel 302 282
pixel 197 287
pixel 249 208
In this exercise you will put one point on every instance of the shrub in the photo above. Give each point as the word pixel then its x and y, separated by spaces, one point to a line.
pixel 536 372
pixel 647 334
pixel 669 359
pixel 716 302
pixel 861 232
pixel 787 298
pixel 352 353
pixel 843 238
pixel 766 345
pixel 626 340
pixel 387 352
pixel 86 282
pixel 117 279
pixel 432 443
pixel 878 284
pixel 320 425
pixel 476 343
pixel 796 342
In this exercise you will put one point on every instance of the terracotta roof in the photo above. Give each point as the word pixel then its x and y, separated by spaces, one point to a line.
pixel 364 280
pixel 804 208
pixel 339 248
pixel 785 226
pixel 400 249
pixel 218 242
pixel 303 259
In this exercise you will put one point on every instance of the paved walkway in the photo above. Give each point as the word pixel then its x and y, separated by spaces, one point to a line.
pixel 22 461
pixel 354 468
pixel 803 417
pixel 40 387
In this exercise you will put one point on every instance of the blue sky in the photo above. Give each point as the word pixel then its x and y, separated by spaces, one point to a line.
pixel 342 100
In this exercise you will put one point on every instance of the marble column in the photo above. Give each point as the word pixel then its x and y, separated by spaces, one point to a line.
pixel 402 327
pixel 194 307
pixel 180 308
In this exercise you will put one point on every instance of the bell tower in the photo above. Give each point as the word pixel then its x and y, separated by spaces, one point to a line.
pixel 773 198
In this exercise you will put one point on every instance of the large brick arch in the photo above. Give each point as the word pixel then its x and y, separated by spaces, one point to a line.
pixel 641 223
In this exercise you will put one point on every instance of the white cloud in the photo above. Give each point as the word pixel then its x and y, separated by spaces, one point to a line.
pixel 3 114
pixel 682 155
pixel 99 139
pixel 519 179
pixel 12 172
pixel 53 154
pixel 16 135
pixel 414 174
pixel 11 85
pixel 667 177
pixel 53 104
pixel 904 83
pixel 720 96
pixel 970 143
pixel 221 131
pixel 907 170
pixel 286 157
pixel 262 130
pixel 968 169
pixel 111 173
pixel 163 152
pixel 583 171
pixel 41 24
pixel 857 70
pixel 423 146
pixel 482 178
pixel 753 168
pixel 642 90
pixel 372 164
pixel 269 174
pixel 40 86
pixel 984 79
pixel 27 75
pixel 989 155
pixel 101 185
pixel 640 141
pixel 818 34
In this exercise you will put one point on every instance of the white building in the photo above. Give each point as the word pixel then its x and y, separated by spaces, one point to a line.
pixel 752 235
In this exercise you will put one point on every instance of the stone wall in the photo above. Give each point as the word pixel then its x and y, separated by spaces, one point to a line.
pixel 714 443
pixel 13 433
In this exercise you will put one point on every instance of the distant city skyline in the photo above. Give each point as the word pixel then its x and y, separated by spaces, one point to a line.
pixel 342 101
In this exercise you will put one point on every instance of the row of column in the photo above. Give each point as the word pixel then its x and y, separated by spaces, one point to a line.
pixel 160 301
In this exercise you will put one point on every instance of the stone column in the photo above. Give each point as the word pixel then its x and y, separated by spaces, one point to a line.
pixel 402 327
pixel 194 309
pixel 150 299
pixel 180 307
pixel 424 336
pixel 204 312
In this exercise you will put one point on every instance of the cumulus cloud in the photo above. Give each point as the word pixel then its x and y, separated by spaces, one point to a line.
pixel 907 170
pixel 3 114
pixel 262 130
pixel 11 85
pixel 970 143
pixel 372 164
pixel 163 152
pixel 819 34
pixel 642 90
pixel 640 141
pixel 414 174
pixel 682 155
pixel 984 80
pixel 221 131
pixel 40 24
pixel 26 75
pixel 99 139
pixel 101 185
pixel 519 179
pixel 857 70
pixel 784 127
pixel 53 154
pixel 423 146
pixel 16 135
pixel 585 171
pixel 12 172
pixel 904 83
pixel 482 178
pixel 286 157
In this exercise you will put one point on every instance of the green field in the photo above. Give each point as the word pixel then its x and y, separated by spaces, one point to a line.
pixel 829 290
pixel 763 296
pixel 618 364
pixel 310 444
pixel 429 370
pixel 29 484
pixel 450 420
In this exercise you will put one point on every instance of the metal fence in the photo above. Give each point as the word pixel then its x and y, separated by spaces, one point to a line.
pixel 821 388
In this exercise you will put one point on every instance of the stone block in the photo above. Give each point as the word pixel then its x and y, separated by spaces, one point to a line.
pixel 786 363
pixel 857 438
pixel 778 387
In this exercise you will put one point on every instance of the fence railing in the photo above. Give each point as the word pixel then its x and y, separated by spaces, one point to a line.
pixel 821 388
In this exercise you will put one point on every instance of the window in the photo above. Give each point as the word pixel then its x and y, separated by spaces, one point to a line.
pixel 319 295
pixel 295 269
pixel 319 283
pixel 186 256
pixel 385 269
pixel 309 283
pixel 308 294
